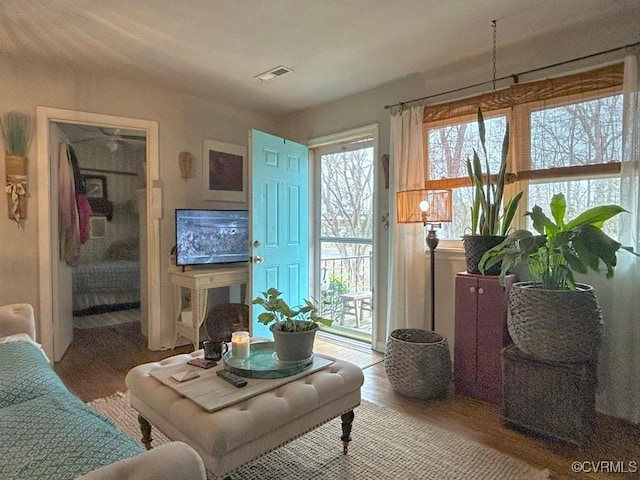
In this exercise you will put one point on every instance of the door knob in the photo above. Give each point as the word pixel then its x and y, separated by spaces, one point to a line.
pixel 258 259
pixel 256 243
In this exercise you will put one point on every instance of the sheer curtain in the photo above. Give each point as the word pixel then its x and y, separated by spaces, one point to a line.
pixel 407 262
pixel 620 361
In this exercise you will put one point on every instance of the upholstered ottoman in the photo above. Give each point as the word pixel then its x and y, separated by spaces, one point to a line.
pixel 244 431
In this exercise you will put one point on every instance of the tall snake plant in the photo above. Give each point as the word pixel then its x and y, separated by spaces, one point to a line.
pixel 486 215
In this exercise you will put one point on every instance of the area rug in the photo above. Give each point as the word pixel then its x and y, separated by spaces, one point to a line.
pixel 386 445
pixel 107 319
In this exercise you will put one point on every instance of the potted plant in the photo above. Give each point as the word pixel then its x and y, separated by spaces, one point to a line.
pixel 490 222
pixel 553 317
pixel 293 329
pixel 17 133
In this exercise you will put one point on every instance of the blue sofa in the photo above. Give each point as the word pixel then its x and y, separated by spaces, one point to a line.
pixel 48 433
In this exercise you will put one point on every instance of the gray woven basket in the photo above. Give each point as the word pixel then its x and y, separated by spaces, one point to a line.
pixel 418 363
pixel 555 325
pixel 475 247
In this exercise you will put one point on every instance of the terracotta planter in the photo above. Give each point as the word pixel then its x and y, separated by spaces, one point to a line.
pixel 555 325
pixel 475 247
pixel 293 346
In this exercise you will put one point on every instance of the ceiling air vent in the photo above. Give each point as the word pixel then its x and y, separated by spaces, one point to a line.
pixel 273 73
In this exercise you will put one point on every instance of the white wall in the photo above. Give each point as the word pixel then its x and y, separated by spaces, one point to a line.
pixel 121 190
pixel 368 107
pixel 184 121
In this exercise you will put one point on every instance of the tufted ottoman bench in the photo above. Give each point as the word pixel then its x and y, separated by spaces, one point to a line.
pixel 244 431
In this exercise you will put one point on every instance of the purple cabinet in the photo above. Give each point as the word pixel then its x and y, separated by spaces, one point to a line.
pixel 480 335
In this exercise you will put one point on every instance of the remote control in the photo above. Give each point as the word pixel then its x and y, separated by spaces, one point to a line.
pixel 232 378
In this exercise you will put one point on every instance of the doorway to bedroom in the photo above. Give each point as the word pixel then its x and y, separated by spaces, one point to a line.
pixel 109 177
pixel 55 279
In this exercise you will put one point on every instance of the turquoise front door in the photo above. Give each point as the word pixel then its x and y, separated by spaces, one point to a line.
pixel 279 220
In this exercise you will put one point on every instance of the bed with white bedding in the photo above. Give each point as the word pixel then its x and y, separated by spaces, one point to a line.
pixel 108 285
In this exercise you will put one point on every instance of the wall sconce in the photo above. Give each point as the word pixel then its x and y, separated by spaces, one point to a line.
pixel 184 163
pixel 432 208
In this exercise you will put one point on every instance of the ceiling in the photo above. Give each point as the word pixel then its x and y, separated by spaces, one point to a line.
pixel 109 138
pixel 215 48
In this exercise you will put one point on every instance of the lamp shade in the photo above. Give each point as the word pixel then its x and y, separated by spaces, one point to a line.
pixel 437 207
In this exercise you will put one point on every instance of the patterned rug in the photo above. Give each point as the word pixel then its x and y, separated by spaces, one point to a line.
pixel 386 445
pixel 107 319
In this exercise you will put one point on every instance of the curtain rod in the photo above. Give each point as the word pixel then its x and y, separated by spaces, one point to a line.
pixel 514 76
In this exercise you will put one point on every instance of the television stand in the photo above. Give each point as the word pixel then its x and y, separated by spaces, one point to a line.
pixel 190 318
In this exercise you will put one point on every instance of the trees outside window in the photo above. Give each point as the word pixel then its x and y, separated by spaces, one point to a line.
pixel 565 144
pixel 346 221
pixel 448 148
pixel 573 135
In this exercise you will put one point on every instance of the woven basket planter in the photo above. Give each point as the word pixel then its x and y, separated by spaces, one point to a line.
pixel 555 325
pixel 16 170
pixel 418 363
pixel 475 247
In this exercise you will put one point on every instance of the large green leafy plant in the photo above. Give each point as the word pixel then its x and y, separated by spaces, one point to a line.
pixel 561 247
pixel 488 217
pixel 298 319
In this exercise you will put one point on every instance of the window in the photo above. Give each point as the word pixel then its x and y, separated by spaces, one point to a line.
pixel 566 136
pixel 449 145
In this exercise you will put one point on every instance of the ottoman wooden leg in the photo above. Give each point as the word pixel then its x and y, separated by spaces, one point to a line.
pixel 347 421
pixel 145 428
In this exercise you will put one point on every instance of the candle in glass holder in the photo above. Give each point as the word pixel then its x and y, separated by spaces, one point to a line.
pixel 240 342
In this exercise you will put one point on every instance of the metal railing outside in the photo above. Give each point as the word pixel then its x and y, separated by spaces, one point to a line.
pixel 346 287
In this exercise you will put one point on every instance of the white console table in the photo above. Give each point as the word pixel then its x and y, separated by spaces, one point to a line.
pixel 190 319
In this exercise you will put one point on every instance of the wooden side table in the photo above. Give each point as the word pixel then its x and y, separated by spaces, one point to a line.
pixel 190 318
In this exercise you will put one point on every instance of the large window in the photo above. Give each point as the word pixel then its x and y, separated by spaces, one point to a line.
pixel 566 136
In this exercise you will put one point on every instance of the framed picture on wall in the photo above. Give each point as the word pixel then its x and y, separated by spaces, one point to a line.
pixel 96 186
pixel 98 227
pixel 224 171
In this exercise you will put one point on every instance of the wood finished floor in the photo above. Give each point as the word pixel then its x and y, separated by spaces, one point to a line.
pixel 98 359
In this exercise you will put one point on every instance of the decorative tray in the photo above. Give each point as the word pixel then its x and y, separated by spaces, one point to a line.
pixel 263 363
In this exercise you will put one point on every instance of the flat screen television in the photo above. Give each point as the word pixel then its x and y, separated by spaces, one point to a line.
pixel 207 237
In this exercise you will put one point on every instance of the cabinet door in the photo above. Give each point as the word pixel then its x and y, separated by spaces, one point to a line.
pixel 465 335
pixel 480 335
pixel 492 337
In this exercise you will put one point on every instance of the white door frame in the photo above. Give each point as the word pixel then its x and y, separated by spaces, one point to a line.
pixel 46 255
